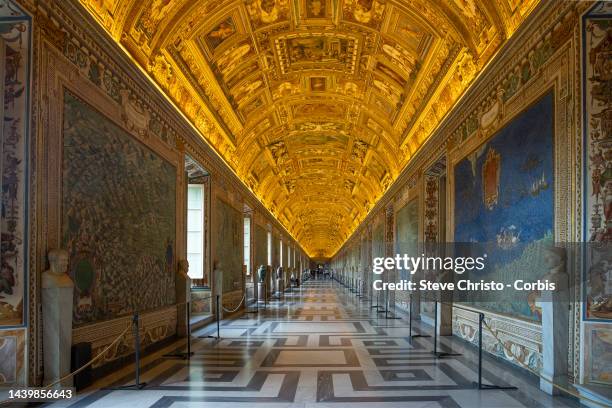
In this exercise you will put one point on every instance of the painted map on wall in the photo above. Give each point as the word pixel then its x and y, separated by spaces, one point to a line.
pixel 228 245
pixel 407 234
pixel 118 217
pixel 275 252
pixel 378 241
pixel 504 197
pixel 261 246
pixel 286 255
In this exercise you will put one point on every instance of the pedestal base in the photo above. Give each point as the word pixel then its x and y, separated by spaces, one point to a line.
pixel 57 333
pixel 279 287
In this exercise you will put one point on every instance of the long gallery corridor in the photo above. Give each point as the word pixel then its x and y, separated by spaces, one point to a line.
pixel 203 178
pixel 320 344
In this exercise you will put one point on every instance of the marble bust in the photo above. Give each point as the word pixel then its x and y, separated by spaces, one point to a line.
pixel 56 276
pixel 183 268
pixel 261 273
pixel 279 272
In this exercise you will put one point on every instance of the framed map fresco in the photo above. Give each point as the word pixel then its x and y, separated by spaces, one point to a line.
pixel 503 198
pixel 118 217
pixel 228 244
pixel 275 252
pixel 261 246
pixel 407 232
pixel 378 240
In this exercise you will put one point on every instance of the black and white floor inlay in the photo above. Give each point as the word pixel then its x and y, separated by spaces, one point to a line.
pixel 319 346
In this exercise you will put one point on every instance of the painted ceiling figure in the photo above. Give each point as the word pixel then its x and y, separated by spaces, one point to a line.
pixel 154 14
pixel 223 31
pixel 316 8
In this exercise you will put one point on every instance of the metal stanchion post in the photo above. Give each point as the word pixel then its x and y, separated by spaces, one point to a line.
pixel 184 355
pixel 438 354
pixel 137 347
pixel 217 316
pixel 137 384
pixel 435 339
pixel 384 306
pixel 479 384
pixel 246 301
pixel 189 353
pixel 480 318
pixel 412 336
pixel 376 306
pixel 387 308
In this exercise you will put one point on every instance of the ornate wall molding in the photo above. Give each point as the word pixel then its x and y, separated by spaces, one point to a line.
pixel 523 338
pixel 154 326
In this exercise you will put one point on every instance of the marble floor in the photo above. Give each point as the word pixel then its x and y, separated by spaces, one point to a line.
pixel 322 346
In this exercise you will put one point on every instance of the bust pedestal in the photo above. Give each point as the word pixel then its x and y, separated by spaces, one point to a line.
pixel 279 286
pixel 57 303
pixel 555 337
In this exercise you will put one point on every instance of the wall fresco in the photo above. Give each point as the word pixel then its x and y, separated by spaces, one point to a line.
pixel 12 353
pixel 407 232
pixel 118 220
pixel 378 241
pixel 597 101
pixel 15 40
pixel 597 111
pixel 504 197
pixel 261 246
pixel 600 367
pixel 228 244
pixel 406 242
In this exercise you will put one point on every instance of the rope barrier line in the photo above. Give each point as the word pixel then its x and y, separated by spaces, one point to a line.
pixel 93 360
pixel 566 390
pixel 191 301
pixel 237 307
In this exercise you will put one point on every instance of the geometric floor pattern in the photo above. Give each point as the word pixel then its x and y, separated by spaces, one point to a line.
pixel 320 346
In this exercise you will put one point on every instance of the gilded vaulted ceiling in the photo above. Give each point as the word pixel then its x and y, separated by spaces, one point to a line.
pixel 317 105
